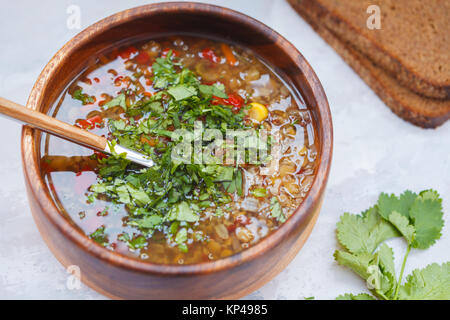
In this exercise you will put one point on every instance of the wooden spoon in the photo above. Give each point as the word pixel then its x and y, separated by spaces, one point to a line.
pixel 66 131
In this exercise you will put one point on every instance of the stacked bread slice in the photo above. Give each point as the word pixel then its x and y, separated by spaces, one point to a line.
pixel 406 61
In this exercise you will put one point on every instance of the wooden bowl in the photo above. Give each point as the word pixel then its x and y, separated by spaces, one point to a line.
pixel 118 276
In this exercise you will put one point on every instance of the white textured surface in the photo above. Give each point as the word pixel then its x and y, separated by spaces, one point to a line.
pixel 374 151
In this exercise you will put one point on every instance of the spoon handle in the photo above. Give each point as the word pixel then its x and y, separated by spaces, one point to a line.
pixel 49 124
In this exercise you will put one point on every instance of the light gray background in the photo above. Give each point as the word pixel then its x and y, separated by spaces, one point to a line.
pixel 374 151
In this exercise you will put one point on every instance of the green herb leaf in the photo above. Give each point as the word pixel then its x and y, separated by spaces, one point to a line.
pixel 430 283
pixel 182 92
pixel 117 101
pixel 402 225
pixel 135 243
pixel 387 204
pixel 275 209
pixel 426 213
pixel 182 212
pixel 99 236
pixel 363 233
pixel 83 97
pixel 213 90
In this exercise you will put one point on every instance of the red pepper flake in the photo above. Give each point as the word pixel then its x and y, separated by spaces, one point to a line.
pixel 209 54
pixel 96 120
pixel 97 80
pixel 233 100
pixel 118 81
pixel 165 52
pixel 83 124
pixel 126 53
pixel 78 173
pixel 91 123
pixel 143 58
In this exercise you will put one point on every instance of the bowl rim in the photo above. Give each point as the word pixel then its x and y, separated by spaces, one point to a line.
pixel 48 207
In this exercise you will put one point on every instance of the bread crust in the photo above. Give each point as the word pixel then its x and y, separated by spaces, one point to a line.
pixel 414 108
pixel 347 19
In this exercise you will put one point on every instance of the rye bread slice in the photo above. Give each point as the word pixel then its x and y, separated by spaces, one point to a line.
pixel 413 44
pixel 419 110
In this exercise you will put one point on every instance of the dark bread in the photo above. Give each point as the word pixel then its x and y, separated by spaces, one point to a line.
pixel 413 44
pixel 419 110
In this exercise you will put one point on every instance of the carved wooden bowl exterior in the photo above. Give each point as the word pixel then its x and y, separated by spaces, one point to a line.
pixel 119 276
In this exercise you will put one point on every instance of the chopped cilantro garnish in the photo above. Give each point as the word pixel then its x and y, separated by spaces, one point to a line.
pixel 171 194
pixel 276 211
pixel 99 236
pixel 83 97
pixel 117 101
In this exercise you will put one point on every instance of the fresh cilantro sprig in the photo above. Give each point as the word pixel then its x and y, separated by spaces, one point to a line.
pixel 415 217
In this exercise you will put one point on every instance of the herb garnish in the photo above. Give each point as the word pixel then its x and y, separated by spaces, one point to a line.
pixel 169 194
pixel 83 97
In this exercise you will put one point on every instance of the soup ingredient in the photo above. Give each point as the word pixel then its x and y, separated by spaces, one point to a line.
pixel 416 217
pixel 83 97
pixel 231 59
pixel 258 112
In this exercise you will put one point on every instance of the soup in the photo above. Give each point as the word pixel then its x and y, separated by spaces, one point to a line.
pixel 204 199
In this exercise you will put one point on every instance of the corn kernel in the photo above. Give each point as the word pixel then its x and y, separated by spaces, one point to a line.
pixel 258 112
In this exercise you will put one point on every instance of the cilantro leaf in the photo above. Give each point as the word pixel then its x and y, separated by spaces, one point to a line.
pixel 387 268
pixel 117 101
pixel 377 270
pixel 182 92
pixel 123 194
pixel 402 225
pixel 135 243
pixel 181 239
pixel 149 222
pixel 430 283
pixel 138 194
pixel 363 233
pixel 417 217
pixel 359 263
pixel 426 214
pixel 275 209
pixel 213 90
pixel 99 236
pixel 387 204
pixel 83 97
pixel 235 185
pixel 182 212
